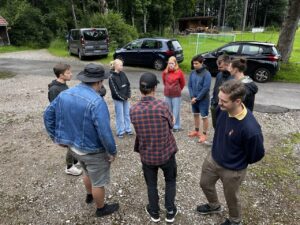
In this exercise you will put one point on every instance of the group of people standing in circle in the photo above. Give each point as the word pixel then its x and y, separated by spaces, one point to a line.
pixel 78 119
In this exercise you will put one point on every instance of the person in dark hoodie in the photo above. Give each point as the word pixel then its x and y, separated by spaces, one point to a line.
pixel 120 92
pixel 63 74
pixel 237 68
pixel 199 85
pixel 223 62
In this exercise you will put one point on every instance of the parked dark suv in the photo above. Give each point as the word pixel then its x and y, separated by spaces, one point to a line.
pixel 153 52
pixel 262 58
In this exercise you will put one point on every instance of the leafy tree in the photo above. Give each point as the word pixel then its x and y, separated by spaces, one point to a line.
pixel 119 32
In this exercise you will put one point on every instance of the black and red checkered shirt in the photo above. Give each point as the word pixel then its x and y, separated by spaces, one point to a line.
pixel 153 123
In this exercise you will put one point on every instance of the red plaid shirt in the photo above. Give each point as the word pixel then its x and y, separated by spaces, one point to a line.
pixel 153 123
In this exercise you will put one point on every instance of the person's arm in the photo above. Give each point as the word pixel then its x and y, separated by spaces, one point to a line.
pixel 206 86
pixel 53 93
pixel 255 148
pixel 164 77
pixel 169 116
pixel 181 79
pixel 114 88
pixel 190 86
pixel 50 119
pixel 128 88
pixel 101 120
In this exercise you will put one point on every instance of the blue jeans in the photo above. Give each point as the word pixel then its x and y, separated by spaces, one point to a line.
pixel 170 174
pixel 122 117
pixel 174 105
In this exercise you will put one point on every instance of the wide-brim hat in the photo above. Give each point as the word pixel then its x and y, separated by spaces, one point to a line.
pixel 92 73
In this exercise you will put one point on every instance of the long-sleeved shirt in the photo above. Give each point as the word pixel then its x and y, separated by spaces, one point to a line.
pixel 153 123
pixel 199 84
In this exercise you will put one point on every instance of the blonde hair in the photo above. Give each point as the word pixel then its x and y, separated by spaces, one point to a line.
pixel 114 62
pixel 174 60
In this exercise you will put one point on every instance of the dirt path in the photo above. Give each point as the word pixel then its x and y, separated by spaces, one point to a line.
pixel 35 190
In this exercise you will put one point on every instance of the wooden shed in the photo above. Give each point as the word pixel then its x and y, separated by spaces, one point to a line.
pixel 195 24
pixel 4 38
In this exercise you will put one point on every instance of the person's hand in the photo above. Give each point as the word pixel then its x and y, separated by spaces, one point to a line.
pixel 174 120
pixel 111 158
pixel 194 100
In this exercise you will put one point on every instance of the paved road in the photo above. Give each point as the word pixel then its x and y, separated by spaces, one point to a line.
pixel 272 97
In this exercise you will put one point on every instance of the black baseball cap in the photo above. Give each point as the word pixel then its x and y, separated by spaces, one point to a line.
pixel 148 80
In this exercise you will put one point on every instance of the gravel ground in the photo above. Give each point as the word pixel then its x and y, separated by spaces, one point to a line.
pixel 35 189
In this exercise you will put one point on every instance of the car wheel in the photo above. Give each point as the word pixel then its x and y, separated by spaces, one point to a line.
pixel 81 57
pixel 158 64
pixel 262 75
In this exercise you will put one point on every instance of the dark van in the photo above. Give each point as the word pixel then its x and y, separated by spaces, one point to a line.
pixel 88 42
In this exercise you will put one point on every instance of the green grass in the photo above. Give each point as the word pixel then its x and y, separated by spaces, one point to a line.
pixel 58 47
pixel 6 74
pixel 11 48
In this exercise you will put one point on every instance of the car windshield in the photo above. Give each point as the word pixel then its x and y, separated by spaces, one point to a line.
pixel 94 35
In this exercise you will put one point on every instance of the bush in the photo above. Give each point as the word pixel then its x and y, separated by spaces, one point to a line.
pixel 30 30
pixel 120 33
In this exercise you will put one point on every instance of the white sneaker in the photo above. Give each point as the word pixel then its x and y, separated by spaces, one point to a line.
pixel 73 171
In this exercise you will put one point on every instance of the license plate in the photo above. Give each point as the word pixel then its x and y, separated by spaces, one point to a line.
pixel 178 55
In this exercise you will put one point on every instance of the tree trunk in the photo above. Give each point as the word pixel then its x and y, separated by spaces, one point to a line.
pixel 83 6
pixel 245 15
pixel 73 13
pixel 288 30
pixel 224 13
pixel 220 13
pixel 103 8
pixel 145 21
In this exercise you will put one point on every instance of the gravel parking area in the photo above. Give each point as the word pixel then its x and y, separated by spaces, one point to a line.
pixel 35 189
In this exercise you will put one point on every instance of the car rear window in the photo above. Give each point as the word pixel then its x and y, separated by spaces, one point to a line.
pixel 94 35
pixel 174 45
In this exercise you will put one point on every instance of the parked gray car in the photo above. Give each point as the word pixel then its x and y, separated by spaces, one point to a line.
pixel 88 42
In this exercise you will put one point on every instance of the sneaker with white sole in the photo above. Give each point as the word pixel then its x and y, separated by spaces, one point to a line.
pixel 153 215
pixel 73 171
pixel 170 216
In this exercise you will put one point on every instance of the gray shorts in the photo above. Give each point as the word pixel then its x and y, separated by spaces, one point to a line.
pixel 96 167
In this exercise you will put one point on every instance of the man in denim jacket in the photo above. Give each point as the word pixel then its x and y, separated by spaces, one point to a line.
pixel 79 118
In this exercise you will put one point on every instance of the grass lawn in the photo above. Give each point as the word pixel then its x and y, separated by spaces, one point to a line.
pixel 10 48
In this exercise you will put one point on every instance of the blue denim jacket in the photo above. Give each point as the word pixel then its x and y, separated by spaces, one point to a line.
pixel 79 117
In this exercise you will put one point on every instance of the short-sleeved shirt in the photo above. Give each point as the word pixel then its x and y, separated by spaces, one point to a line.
pixel 153 123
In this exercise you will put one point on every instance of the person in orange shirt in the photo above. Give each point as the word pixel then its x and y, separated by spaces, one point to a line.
pixel 173 80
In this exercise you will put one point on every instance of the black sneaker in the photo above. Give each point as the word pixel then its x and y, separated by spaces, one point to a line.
pixel 170 216
pixel 107 209
pixel 89 198
pixel 154 215
pixel 227 222
pixel 206 209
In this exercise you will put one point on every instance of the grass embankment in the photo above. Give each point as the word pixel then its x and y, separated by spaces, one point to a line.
pixel 272 182
pixel 6 74
pixel 11 48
